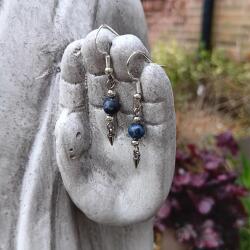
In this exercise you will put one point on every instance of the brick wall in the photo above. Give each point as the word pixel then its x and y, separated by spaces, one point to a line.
pixel 231 29
pixel 181 20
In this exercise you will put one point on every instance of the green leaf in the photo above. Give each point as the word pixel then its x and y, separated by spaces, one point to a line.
pixel 245 175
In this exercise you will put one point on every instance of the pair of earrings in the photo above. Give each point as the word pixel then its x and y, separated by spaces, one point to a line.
pixel 111 104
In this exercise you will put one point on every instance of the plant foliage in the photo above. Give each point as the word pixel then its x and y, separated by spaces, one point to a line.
pixel 245 180
pixel 205 205
pixel 219 81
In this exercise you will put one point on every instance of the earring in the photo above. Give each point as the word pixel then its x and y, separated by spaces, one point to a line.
pixel 111 104
pixel 136 130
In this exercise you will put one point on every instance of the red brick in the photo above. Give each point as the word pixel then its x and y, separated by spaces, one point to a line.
pixel 230 25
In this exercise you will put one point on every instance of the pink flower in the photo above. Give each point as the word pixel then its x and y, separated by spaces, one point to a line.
pixel 186 233
pixel 164 211
pixel 182 177
pixel 211 160
pixel 209 238
pixel 205 205
pixel 226 141
pixel 198 180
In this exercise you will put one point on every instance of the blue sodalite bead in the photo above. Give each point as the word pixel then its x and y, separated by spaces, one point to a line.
pixel 136 131
pixel 111 105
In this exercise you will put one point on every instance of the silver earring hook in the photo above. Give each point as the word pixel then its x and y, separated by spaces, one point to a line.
pixel 103 26
pixel 137 79
pixel 131 57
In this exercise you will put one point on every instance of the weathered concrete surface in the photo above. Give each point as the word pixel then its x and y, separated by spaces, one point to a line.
pixel 35 210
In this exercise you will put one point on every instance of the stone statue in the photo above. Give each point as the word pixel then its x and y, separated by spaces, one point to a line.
pixel 62 185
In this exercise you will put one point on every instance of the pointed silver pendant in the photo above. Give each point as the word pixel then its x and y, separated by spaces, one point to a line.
pixel 111 129
pixel 137 156
pixel 136 162
pixel 111 139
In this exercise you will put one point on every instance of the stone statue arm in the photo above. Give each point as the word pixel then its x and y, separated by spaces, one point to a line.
pixel 100 179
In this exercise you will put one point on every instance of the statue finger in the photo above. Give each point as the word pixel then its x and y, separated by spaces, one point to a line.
pixel 158 106
pixel 95 45
pixel 72 128
pixel 121 49
pixel 72 78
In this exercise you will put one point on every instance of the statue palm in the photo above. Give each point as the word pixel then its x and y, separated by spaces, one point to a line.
pixel 101 179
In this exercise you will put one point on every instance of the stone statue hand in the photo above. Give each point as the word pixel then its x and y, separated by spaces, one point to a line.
pixel 101 179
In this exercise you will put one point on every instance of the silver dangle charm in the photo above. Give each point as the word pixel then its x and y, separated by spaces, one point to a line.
pixel 136 130
pixel 136 153
pixel 111 104
pixel 110 128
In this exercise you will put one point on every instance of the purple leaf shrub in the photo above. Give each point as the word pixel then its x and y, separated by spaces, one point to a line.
pixel 204 205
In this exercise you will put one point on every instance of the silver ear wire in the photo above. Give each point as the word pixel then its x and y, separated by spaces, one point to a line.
pixel 104 26
pixel 136 79
pixel 131 57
